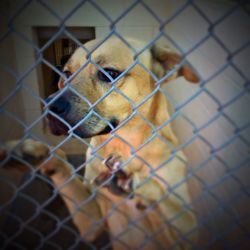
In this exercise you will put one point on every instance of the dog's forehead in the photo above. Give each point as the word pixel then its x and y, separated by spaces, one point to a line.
pixel 111 53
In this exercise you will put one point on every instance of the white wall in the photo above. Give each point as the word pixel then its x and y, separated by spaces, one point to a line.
pixel 9 128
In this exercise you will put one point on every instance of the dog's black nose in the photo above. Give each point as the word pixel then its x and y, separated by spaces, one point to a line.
pixel 59 106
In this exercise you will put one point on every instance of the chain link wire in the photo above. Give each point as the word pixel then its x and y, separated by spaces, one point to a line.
pixel 33 217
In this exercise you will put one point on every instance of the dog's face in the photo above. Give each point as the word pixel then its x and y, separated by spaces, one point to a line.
pixel 93 104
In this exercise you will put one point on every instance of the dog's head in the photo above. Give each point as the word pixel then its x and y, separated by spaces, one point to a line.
pixel 100 96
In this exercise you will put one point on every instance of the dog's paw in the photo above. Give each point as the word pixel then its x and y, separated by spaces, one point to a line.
pixel 33 152
pixel 29 150
pixel 120 182
pixel 113 162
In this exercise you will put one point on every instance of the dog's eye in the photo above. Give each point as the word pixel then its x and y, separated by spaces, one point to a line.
pixel 67 73
pixel 112 72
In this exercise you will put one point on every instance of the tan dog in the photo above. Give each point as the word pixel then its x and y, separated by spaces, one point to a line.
pixel 131 180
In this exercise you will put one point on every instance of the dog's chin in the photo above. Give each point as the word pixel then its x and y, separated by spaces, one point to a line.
pixel 83 133
pixel 58 128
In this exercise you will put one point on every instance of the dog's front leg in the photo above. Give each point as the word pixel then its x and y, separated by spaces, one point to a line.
pixel 84 209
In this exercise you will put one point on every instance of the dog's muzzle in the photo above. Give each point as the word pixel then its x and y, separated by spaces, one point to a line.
pixel 68 110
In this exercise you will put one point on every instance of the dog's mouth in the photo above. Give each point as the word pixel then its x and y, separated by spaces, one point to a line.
pixel 59 128
pixel 56 126
pixel 114 123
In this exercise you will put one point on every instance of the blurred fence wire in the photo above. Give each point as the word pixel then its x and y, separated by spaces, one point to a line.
pixel 34 217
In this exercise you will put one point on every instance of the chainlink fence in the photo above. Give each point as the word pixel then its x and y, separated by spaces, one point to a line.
pixel 211 119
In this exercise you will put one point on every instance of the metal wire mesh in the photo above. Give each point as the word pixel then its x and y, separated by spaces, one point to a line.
pixel 33 215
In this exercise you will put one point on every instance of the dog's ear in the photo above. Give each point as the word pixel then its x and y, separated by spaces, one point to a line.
pixel 67 71
pixel 164 59
pixel 71 63
pixel 61 83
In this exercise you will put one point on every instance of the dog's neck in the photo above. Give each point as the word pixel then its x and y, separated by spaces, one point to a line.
pixel 137 130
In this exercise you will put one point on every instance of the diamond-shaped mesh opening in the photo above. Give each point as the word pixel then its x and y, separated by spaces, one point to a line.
pixel 234 34
pixel 132 15
pixel 224 128
pixel 165 198
pixel 31 10
pixel 180 28
pixel 233 82
pixel 239 104
pixel 82 10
